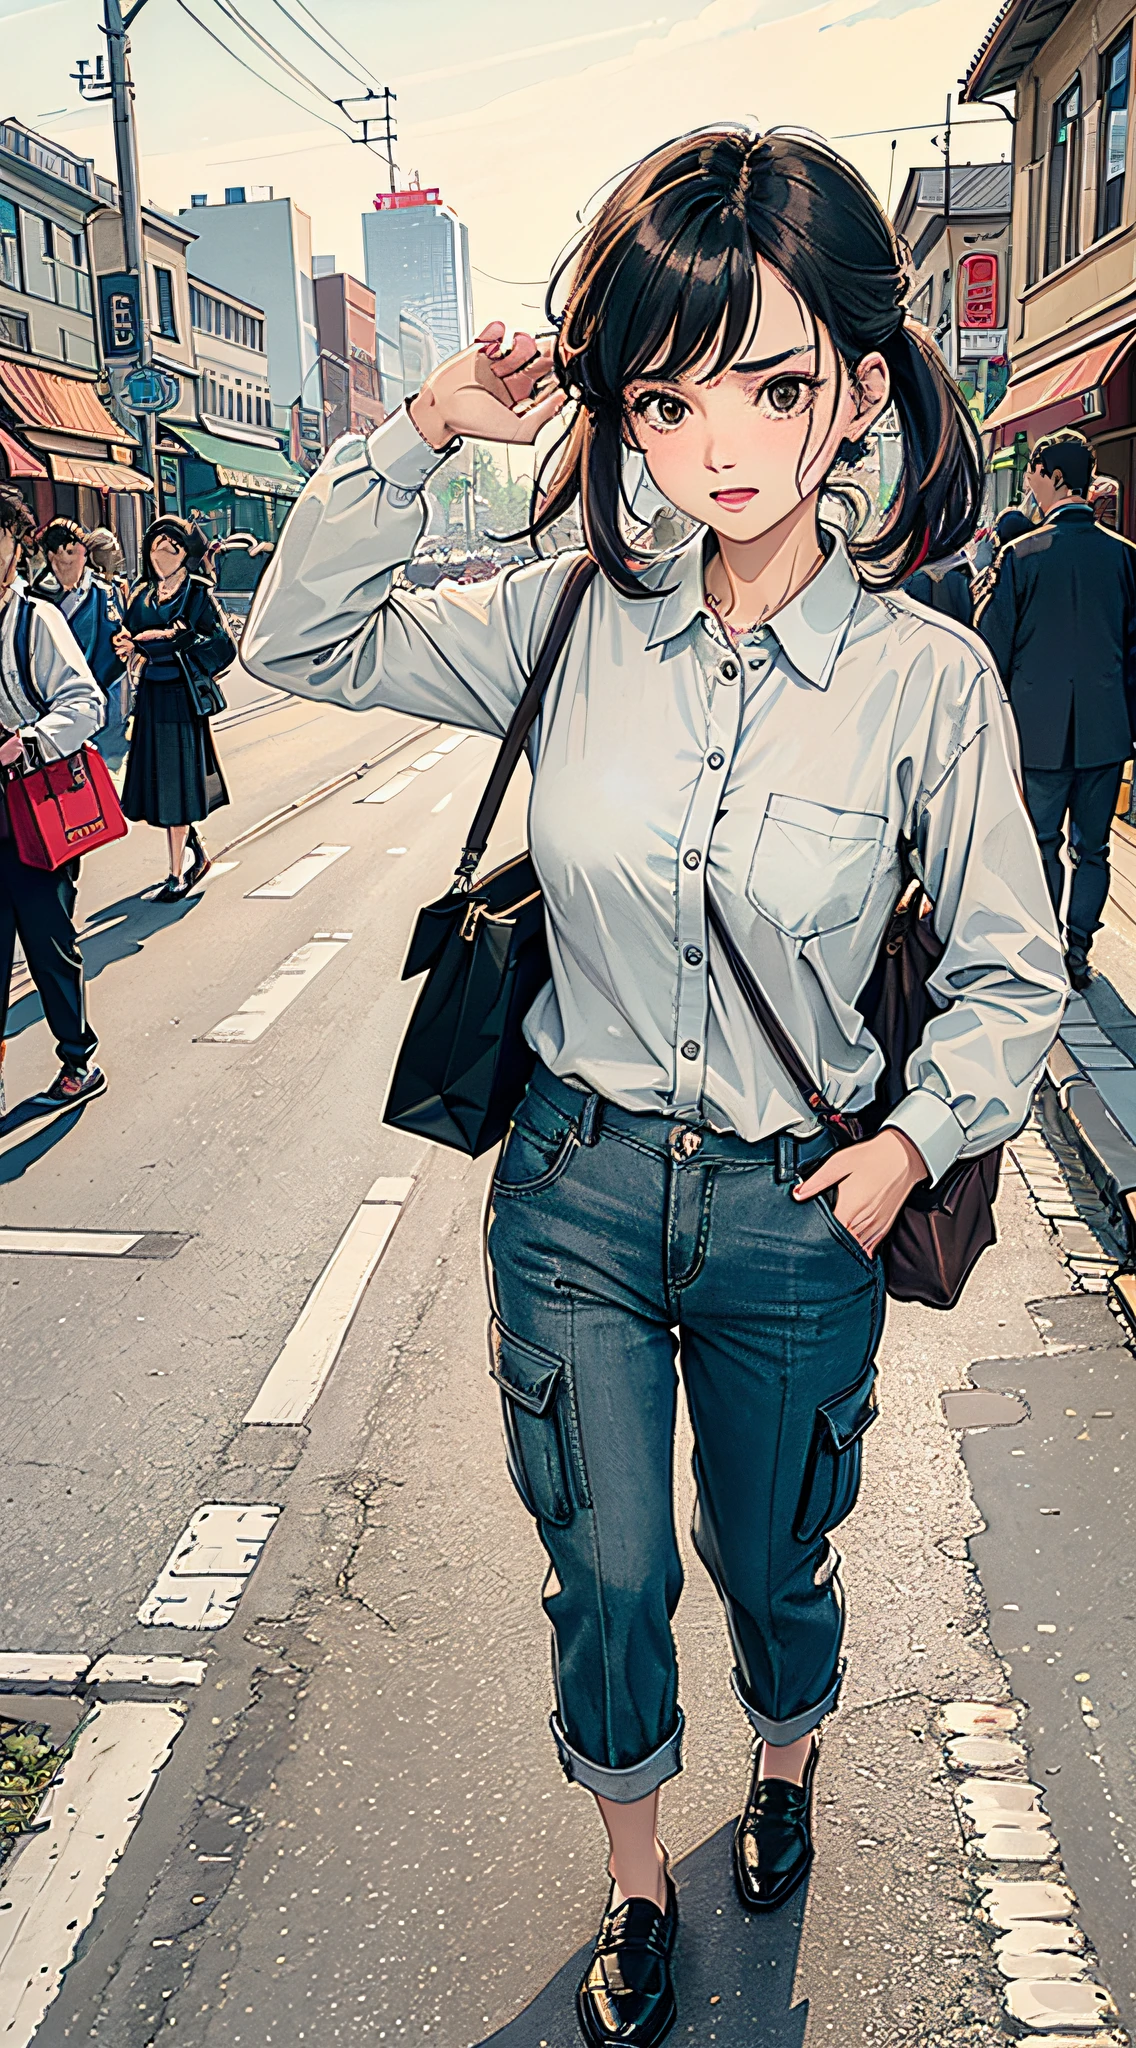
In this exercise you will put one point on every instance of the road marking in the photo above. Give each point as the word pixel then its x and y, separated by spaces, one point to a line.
pixel 447 799
pixel 425 761
pixel 291 880
pixel 456 739
pixel 155 1671
pixel 57 1877
pixel 93 1244
pixel 209 1566
pixel 27 1671
pixel 386 790
pixel 217 867
pixel 271 999
pixel 312 1346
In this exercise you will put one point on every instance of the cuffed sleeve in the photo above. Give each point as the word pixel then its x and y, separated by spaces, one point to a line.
pixel 76 707
pixel 1000 979
pixel 327 622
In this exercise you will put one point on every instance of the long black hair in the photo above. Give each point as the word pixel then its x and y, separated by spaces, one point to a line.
pixel 665 279
pixel 184 535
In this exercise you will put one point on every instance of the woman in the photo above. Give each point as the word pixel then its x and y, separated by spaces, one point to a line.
pixel 756 720
pixel 177 643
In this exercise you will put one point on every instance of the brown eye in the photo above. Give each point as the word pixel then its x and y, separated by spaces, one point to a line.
pixel 660 409
pixel 784 395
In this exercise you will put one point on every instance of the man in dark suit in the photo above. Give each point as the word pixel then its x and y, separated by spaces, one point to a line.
pixel 1060 623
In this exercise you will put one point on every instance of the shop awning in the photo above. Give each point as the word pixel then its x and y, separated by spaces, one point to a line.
pixel 101 476
pixel 21 462
pixel 242 465
pixel 68 405
pixel 1063 384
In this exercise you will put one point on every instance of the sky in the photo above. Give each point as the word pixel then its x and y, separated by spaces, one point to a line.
pixel 519 116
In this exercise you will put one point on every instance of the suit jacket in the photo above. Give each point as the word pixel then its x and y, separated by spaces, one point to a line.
pixel 944 590
pixel 94 621
pixel 1060 623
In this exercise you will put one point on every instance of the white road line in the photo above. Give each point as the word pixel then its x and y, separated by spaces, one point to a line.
pixel 425 761
pixel 56 1878
pixel 456 739
pixel 447 799
pixel 312 1346
pixel 218 867
pixel 272 998
pixel 82 1244
pixel 386 790
pixel 27 1671
pixel 209 1566
pixel 155 1671
pixel 291 880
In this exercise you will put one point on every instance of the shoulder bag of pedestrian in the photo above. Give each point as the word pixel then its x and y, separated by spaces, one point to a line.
pixel 464 1063
pixel 198 651
pixel 64 808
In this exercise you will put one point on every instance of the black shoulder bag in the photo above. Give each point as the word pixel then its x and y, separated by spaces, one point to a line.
pixel 940 1232
pixel 463 1064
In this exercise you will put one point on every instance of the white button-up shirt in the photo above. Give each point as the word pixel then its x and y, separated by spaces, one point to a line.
pixel 780 775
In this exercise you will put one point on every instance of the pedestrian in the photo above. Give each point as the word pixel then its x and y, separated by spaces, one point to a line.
pixel 177 643
pixel 946 587
pixel 1060 623
pixel 746 730
pixel 50 704
pixel 92 609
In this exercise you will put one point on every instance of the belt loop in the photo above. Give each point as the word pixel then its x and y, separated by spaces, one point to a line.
pixel 588 1121
pixel 785 1158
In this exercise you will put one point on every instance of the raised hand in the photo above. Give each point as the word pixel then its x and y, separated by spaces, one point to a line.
pixel 490 393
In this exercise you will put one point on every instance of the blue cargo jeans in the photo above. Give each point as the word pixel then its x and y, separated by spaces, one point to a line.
pixel 619 1243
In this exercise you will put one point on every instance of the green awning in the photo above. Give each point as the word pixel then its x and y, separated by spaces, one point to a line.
pixel 241 465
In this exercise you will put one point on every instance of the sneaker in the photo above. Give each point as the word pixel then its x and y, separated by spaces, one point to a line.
pixel 75 1084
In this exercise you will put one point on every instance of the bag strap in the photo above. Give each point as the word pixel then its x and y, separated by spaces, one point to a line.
pixel 576 583
pixel 845 1127
pixel 22 652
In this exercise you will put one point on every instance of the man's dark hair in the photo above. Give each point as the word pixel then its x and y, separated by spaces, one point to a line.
pixel 1068 452
pixel 62 533
pixel 15 516
pixel 1010 525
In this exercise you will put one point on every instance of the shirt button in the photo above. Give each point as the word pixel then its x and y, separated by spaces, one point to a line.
pixel 690 1049
pixel 729 671
pixel 692 955
pixel 715 759
pixel 692 859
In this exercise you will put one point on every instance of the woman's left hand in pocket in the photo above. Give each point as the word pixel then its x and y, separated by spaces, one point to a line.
pixel 872 1181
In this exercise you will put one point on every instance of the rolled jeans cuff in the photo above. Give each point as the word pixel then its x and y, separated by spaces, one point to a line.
pixel 623 1786
pixel 780 1733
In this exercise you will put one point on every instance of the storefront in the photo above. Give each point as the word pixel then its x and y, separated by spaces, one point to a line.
pixel 1090 388
pixel 236 486
pixel 68 454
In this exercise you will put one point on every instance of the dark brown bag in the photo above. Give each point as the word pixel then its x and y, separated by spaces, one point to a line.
pixel 940 1232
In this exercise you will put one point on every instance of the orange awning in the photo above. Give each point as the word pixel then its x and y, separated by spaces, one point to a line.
pixel 66 405
pixel 21 462
pixel 101 476
pixel 1070 379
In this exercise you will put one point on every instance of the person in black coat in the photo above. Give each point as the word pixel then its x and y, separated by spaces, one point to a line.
pixel 1060 623
pixel 177 643
pixel 92 609
pixel 945 587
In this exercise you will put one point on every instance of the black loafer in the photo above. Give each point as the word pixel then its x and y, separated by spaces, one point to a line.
pixel 773 1843
pixel 626 1999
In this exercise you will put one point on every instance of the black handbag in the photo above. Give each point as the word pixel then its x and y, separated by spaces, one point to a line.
pixel 940 1232
pixel 463 1064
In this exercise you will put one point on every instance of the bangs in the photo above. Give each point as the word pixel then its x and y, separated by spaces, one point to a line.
pixel 690 308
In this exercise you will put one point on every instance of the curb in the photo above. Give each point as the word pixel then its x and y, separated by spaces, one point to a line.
pixel 1101 1142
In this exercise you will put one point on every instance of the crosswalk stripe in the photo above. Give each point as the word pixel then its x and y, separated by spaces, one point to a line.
pixel 292 879
pixel 272 998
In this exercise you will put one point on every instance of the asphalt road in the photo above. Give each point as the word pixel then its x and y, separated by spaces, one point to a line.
pixel 363 1833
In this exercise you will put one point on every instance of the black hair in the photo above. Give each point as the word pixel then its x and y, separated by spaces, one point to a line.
pixel 1010 525
pixel 62 533
pixel 185 535
pixel 15 515
pixel 665 279
pixel 1069 452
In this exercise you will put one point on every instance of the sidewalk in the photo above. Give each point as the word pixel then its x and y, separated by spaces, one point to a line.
pixel 1090 1091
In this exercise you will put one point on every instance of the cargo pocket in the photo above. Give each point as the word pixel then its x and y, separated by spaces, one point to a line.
pixel 540 1436
pixel 832 1474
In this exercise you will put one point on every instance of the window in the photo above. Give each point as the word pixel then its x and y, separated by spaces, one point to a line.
pixel 1062 225
pixel 13 330
pixel 48 228
pixel 1116 64
pixel 229 407
pixel 228 323
pixel 258 418
pixel 10 271
pixel 240 407
pixel 213 394
pixel 164 285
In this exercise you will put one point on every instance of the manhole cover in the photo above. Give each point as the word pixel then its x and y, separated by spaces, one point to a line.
pixel 980 1409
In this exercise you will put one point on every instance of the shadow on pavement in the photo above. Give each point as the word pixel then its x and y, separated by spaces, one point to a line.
pixel 746 1966
pixel 118 931
pixel 16 1161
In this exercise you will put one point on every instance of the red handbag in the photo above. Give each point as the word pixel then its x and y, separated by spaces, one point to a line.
pixel 64 809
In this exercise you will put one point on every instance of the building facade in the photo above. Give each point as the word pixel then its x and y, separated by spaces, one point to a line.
pixel 167 312
pixel 258 249
pixel 61 442
pixel 349 368
pixel 416 261
pixel 236 478
pixel 959 238
pixel 1072 310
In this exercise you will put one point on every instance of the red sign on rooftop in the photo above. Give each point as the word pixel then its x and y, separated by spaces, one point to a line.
pixel 389 202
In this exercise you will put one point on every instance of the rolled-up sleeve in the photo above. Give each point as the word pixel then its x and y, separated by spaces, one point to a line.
pixel 327 622
pixel 76 707
pixel 1001 979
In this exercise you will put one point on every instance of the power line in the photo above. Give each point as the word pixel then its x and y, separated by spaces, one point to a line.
pixel 316 44
pixel 251 69
pixel 275 56
pixel 332 37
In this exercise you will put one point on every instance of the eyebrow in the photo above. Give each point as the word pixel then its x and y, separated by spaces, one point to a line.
pixel 771 362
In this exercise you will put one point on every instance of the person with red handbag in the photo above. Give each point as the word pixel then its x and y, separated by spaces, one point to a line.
pixel 50 704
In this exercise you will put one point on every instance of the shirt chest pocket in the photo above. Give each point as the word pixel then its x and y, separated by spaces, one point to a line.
pixel 813 867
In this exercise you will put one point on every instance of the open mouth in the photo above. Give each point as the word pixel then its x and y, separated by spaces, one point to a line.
pixel 733 501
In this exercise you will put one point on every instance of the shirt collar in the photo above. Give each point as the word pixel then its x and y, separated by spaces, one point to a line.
pixel 810 628
pixel 1077 505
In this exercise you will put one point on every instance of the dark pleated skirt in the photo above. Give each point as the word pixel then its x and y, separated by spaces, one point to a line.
pixel 173 776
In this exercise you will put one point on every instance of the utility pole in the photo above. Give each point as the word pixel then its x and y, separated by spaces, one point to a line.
pixel 953 329
pixel 130 197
